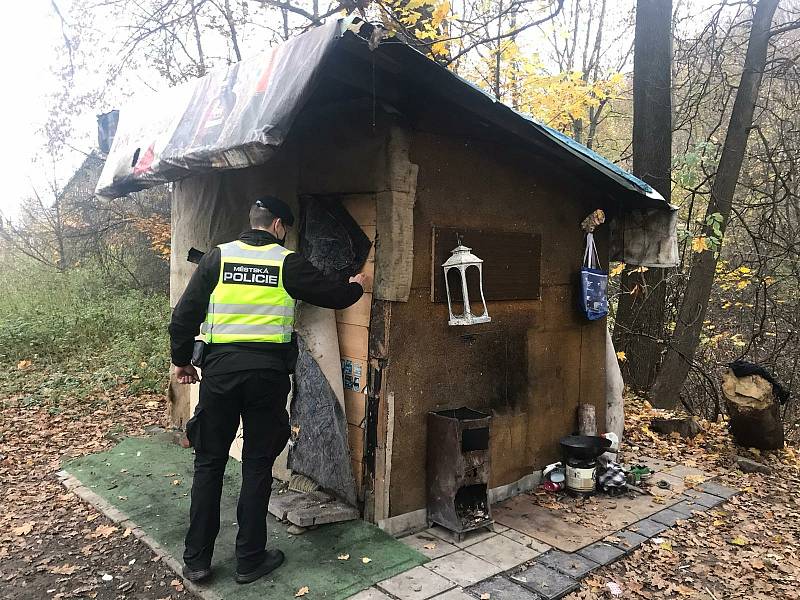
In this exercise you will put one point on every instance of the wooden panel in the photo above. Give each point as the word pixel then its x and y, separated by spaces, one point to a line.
pixel 370 231
pixel 511 263
pixel 353 340
pixel 593 368
pixel 369 271
pixel 353 328
pixel 358 472
pixel 509 447
pixel 355 406
pixel 363 210
pixel 356 435
pixel 380 317
pixel 554 366
pixel 358 313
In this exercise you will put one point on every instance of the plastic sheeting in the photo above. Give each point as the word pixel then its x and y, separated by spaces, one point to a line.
pixel 332 242
pixel 237 117
pixel 320 449
pixel 645 237
pixel 231 118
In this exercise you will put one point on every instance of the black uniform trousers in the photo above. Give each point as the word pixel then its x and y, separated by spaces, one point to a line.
pixel 258 396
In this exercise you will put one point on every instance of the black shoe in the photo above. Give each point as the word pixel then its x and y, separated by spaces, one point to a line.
pixel 272 561
pixel 196 575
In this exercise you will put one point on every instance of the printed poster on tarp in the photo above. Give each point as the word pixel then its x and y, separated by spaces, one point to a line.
pixel 231 118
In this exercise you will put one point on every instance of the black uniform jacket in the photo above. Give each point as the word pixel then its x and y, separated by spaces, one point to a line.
pixel 301 279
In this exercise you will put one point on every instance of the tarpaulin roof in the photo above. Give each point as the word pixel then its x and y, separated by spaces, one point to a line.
pixel 238 116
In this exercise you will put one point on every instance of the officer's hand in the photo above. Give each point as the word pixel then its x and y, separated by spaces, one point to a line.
pixel 360 279
pixel 187 374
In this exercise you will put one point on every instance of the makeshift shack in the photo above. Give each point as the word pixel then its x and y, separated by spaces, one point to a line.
pixel 390 160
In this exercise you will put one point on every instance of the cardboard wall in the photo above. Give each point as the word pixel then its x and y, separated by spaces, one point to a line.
pixel 537 359
pixel 353 328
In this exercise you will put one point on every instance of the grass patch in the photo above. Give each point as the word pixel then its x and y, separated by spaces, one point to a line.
pixel 78 334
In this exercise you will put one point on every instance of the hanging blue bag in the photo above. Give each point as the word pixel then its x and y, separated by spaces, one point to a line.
pixel 594 283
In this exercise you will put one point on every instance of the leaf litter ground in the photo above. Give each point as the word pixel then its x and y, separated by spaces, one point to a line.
pixel 53 545
pixel 748 547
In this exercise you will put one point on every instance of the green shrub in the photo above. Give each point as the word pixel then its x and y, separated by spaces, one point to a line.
pixel 83 333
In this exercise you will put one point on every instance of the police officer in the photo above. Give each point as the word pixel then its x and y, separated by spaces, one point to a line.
pixel 241 298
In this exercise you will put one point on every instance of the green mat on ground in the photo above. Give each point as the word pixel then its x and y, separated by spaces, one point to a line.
pixel 149 480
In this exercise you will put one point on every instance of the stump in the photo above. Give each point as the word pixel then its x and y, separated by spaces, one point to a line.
pixel 755 419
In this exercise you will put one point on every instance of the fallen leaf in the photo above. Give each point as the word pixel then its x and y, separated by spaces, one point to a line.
pixel 691 481
pixel 104 531
pixel 485 596
pixel 302 591
pixel 344 557
pixel 659 582
pixel 64 570
pixel 430 546
pixel 23 529
pixel 128 531
pixel 739 541
pixel 23 364
pixel 176 583
pixel 666 546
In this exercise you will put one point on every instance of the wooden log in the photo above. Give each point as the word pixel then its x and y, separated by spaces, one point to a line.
pixel 747 465
pixel 587 420
pixel 686 428
pixel 755 419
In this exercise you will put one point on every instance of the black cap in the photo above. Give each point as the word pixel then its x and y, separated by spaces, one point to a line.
pixel 277 207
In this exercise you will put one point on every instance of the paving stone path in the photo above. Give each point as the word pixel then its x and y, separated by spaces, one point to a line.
pixel 504 563
pixel 508 565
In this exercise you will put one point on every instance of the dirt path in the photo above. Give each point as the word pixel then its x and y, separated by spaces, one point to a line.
pixel 52 545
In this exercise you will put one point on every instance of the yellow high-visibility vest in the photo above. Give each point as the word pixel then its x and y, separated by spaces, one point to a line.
pixel 249 303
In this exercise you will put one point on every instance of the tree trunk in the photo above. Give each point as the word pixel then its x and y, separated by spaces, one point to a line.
pixel 232 28
pixel 680 354
pixel 201 59
pixel 640 312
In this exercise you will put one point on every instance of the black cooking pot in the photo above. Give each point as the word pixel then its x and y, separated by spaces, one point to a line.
pixel 584 447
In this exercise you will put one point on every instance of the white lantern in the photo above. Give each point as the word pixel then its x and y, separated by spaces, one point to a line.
pixel 463 259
